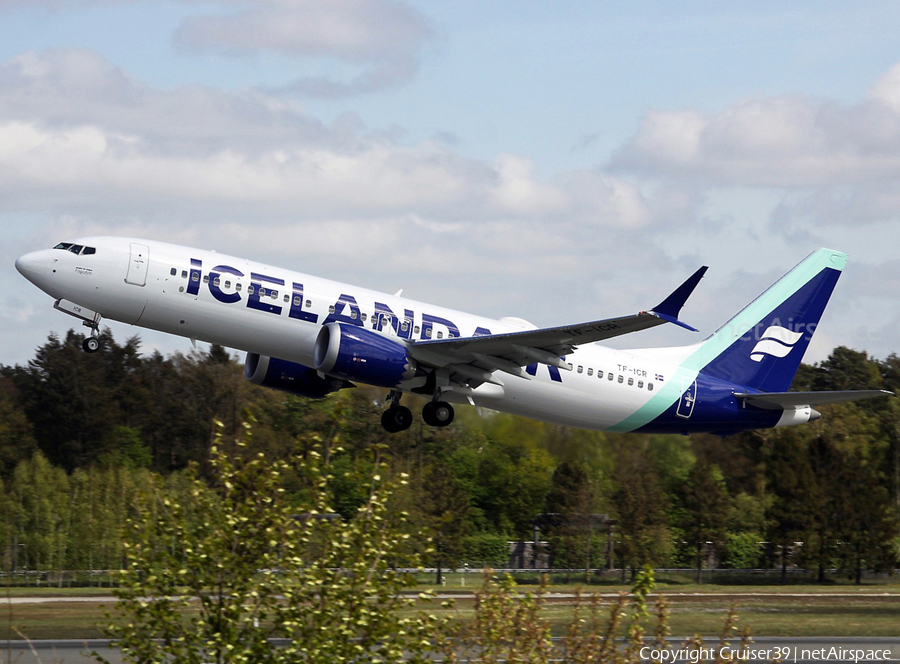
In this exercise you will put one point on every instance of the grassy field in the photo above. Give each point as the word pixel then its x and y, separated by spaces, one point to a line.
pixel 793 610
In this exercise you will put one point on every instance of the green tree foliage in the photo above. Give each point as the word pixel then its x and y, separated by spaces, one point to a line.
pixel 16 436
pixel 705 515
pixel 254 566
pixel 640 507
pixel 41 513
pixel 445 507
pixel 573 498
pixel 109 423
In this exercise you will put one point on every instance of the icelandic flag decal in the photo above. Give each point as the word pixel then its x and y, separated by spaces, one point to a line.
pixel 659 377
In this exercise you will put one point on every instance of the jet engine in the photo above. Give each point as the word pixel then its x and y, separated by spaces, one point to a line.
pixel 355 353
pixel 290 377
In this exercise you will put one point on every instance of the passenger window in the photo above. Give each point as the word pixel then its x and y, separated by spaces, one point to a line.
pixel 296 301
pixel 173 271
pixel 404 326
pixel 331 309
pixel 640 383
pixel 309 304
pixel 238 286
pixel 250 290
pixel 569 364
pixel 352 315
pixel 590 372
pixel 227 284
pixel 631 381
pixel 205 278
pixel 427 333
pixel 580 369
pixel 362 317
pixel 621 379
pixel 217 282
pixel 599 373
pixel 262 291
pixel 274 295
pixel 611 376
pixel 184 274
pixel 440 335
pixel 650 386
pixel 89 250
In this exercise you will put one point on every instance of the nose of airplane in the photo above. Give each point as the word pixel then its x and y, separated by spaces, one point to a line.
pixel 32 266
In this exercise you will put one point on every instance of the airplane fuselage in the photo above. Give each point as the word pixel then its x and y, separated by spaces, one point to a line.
pixel 279 313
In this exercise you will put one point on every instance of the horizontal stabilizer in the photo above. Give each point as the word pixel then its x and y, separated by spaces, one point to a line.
pixel 780 400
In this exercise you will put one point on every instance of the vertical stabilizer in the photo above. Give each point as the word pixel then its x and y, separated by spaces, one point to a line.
pixel 761 347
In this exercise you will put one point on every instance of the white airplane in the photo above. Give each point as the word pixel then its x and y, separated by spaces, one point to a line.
pixel 312 336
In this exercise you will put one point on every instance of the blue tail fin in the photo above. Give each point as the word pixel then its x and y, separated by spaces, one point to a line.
pixel 761 347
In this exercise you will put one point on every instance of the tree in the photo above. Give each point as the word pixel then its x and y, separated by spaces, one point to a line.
pixel 16 436
pixel 640 506
pixel 792 484
pixel 40 497
pixel 445 506
pixel 705 500
pixel 261 567
pixel 572 497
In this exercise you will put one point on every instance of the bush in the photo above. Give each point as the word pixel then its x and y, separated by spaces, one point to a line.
pixel 486 550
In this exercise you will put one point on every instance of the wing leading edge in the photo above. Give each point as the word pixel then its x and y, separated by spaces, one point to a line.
pixel 473 360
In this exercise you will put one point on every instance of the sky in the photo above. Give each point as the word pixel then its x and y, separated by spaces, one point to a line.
pixel 559 162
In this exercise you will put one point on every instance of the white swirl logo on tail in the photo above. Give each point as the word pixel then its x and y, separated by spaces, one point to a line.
pixel 776 341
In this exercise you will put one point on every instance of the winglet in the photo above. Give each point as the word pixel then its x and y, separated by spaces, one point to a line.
pixel 669 308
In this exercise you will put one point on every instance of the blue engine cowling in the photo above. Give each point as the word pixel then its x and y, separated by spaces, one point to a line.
pixel 355 353
pixel 290 377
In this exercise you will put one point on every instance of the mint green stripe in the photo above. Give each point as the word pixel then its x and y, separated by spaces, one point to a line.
pixel 731 331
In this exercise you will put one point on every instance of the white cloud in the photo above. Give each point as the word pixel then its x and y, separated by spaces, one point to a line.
pixel 353 30
pixel 381 36
pixel 80 136
pixel 787 142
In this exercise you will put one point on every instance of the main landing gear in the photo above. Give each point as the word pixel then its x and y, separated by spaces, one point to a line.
pixel 397 418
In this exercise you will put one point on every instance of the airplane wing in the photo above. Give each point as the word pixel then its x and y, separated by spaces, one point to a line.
pixel 472 360
pixel 780 400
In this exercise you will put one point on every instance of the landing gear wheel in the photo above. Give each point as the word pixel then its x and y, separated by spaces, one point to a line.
pixel 91 345
pixel 437 413
pixel 396 418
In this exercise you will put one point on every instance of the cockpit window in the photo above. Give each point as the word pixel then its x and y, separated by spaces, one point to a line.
pixel 76 249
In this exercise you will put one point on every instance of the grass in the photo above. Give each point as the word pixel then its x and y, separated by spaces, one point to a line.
pixel 777 614
pixel 674 585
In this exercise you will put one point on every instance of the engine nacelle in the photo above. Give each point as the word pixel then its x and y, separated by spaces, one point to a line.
pixel 290 377
pixel 355 353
